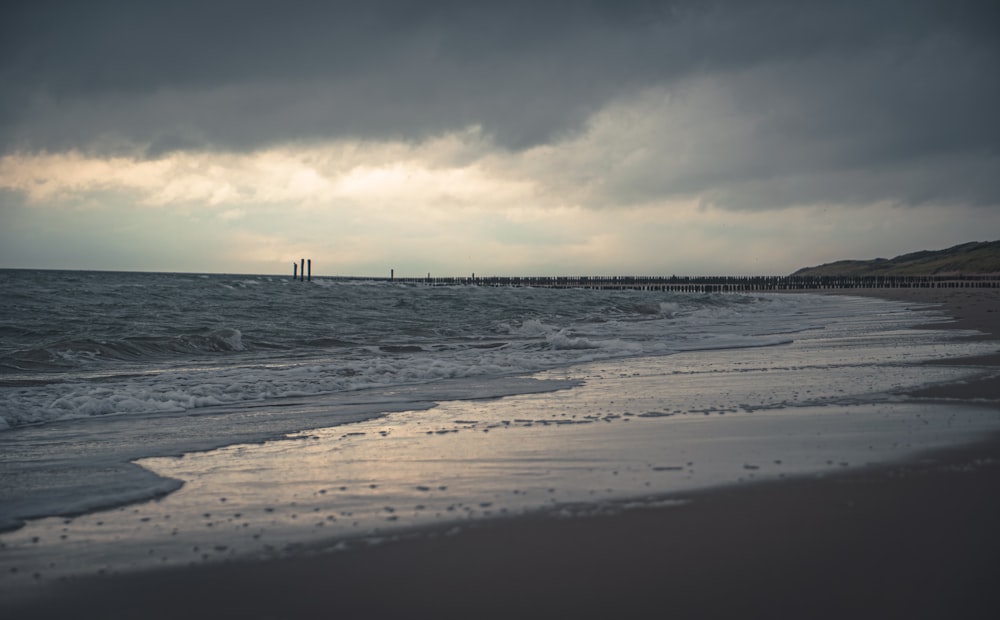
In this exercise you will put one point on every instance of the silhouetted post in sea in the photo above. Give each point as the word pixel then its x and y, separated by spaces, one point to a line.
pixel 309 265
pixel 392 275
pixel 302 270
pixel 295 271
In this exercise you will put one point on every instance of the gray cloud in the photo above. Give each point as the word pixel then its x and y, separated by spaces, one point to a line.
pixel 244 73
pixel 827 129
pixel 818 95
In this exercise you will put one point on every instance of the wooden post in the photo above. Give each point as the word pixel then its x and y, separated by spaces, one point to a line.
pixel 295 271
pixel 309 265
pixel 302 270
pixel 392 275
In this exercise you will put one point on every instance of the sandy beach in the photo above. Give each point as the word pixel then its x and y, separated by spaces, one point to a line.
pixel 499 310
pixel 907 539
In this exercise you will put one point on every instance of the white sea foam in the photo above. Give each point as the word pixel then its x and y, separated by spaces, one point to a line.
pixel 381 337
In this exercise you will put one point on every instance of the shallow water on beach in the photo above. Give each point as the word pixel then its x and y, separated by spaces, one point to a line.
pixel 615 432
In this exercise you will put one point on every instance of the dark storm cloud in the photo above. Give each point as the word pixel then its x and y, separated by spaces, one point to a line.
pixel 244 73
pixel 825 87
pixel 916 129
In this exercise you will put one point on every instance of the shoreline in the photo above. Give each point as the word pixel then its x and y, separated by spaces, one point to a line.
pixel 977 309
pixel 914 538
pixel 972 309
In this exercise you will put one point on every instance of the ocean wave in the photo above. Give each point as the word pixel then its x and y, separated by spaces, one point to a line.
pixel 83 352
pixel 189 342
pixel 563 340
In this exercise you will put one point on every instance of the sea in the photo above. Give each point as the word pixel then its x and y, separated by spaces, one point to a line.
pixel 122 392
pixel 78 345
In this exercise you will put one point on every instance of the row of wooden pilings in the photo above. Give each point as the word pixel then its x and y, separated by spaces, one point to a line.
pixel 300 274
pixel 706 284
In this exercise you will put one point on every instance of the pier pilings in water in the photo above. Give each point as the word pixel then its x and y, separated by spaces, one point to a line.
pixel 302 270
pixel 707 284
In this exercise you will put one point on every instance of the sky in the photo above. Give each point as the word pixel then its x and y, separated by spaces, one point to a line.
pixel 497 138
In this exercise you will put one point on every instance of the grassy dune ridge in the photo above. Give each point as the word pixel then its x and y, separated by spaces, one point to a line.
pixel 974 258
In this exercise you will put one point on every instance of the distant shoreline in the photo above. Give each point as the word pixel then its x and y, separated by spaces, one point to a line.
pixel 972 309
pixel 977 309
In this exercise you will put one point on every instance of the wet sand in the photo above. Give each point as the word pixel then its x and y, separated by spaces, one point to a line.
pixel 973 309
pixel 917 539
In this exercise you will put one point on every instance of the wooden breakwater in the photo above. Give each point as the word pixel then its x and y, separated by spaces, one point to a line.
pixel 306 271
pixel 704 284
